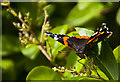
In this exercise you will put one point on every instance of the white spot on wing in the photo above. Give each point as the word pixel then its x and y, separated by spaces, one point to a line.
pixel 107 28
pixel 104 24
pixel 100 29
pixel 56 37
pixel 95 33
pixel 48 34
pixel 110 34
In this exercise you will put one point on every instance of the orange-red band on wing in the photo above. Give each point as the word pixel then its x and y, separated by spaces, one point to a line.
pixel 95 37
pixel 82 37
pixel 65 40
pixel 66 43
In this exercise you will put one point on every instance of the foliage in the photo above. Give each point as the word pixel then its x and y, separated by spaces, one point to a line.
pixel 39 57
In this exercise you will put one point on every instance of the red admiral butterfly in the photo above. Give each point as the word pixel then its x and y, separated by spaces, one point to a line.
pixel 80 43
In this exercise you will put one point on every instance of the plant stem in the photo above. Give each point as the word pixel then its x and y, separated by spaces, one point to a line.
pixel 43 26
pixel 40 44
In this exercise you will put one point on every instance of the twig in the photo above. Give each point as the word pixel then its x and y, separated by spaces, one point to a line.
pixel 43 26
pixel 97 77
pixel 50 48
pixel 40 44
pixel 96 71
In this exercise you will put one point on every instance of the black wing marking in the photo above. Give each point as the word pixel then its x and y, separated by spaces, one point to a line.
pixel 77 44
pixel 100 34
pixel 57 37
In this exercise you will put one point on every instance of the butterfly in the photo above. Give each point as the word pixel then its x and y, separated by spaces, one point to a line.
pixel 80 44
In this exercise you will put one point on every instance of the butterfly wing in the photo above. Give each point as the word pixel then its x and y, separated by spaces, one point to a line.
pixel 100 34
pixel 77 43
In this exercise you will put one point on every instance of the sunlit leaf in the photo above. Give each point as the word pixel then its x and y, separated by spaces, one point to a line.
pixel 84 31
pixel 43 73
pixel 83 12
pixel 100 73
pixel 31 51
pixel 85 78
pixel 116 52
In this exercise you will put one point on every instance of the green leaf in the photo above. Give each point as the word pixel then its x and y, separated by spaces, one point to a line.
pixel 73 33
pixel 106 62
pixel 7 64
pixel 43 73
pixel 49 8
pixel 56 46
pixel 86 78
pixel 118 16
pixel 84 31
pixel 116 52
pixel 10 44
pixel 31 51
pixel 8 69
pixel 72 60
pixel 100 73
pixel 83 12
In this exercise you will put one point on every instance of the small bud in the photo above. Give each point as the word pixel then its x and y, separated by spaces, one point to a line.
pixel 33 40
pixel 14 24
pixel 62 68
pixel 5 3
pixel 20 38
pixel 27 35
pixel 55 69
pixel 8 9
pixel 23 26
pixel 18 25
pixel 20 34
pixel 28 14
pixel 59 67
pixel 13 12
pixel 31 37
pixel 22 41
pixel 19 15
pixel 20 29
